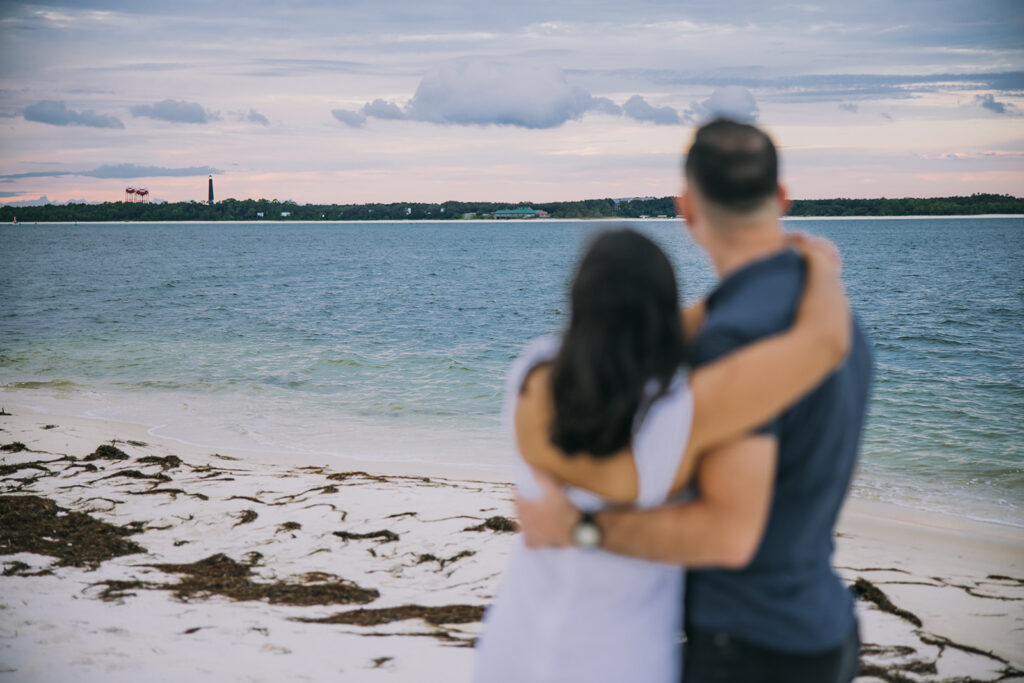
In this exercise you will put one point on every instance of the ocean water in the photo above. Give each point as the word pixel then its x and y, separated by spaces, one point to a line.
pixel 389 341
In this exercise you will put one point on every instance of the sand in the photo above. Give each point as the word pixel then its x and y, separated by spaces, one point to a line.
pixel 126 558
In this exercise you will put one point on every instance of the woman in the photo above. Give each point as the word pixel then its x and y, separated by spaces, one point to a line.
pixel 608 407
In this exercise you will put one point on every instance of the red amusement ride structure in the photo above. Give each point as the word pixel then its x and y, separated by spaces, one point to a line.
pixel 136 194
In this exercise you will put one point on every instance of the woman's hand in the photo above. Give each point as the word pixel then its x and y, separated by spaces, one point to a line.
pixel 824 309
pixel 547 522
pixel 814 247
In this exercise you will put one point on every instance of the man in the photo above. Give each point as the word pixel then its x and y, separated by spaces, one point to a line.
pixel 762 602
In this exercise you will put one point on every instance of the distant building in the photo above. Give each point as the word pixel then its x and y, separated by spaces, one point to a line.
pixel 285 214
pixel 259 214
pixel 211 190
pixel 520 212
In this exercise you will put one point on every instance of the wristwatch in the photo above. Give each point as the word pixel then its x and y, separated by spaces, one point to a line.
pixel 586 533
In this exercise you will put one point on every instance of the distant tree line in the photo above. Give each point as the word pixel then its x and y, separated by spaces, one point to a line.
pixel 973 205
pixel 274 210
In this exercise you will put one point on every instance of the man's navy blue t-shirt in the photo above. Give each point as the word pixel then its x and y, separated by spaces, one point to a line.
pixel 788 598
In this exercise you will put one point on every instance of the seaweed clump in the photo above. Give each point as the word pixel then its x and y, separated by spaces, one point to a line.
pixel 18 568
pixel 431 557
pixel 107 452
pixel 11 469
pixel 386 535
pixel 220 575
pixel 345 476
pixel 167 462
pixel 135 474
pixel 865 590
pixel 496 523
pixel 33 524
pixel 445 614
pixel 246 517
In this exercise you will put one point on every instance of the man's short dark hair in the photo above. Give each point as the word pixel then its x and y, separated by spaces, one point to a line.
pixel 733 164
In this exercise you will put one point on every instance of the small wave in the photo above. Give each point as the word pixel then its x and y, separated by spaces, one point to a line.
pixel 931 339
pixel 979 503
pixel 343 363
pixel 57 384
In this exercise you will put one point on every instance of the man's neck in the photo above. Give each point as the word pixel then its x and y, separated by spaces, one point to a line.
pixel 738 250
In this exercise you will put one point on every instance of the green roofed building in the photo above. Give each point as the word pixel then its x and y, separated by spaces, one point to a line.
pixel 520 212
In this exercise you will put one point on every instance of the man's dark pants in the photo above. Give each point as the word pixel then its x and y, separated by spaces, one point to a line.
pixel 712 657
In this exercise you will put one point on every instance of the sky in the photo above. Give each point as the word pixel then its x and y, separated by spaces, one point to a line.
pixel 536 100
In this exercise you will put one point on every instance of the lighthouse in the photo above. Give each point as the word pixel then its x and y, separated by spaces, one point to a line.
pixel 211 191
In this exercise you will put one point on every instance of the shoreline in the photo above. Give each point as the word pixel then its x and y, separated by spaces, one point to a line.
pixel 98 427
pixel 855 510
pixel 422 466
pixel 936 594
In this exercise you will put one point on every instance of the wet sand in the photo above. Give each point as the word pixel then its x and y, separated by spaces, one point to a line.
pixel 125 557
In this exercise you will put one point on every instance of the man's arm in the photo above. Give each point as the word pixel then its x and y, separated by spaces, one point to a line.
pixel 722 528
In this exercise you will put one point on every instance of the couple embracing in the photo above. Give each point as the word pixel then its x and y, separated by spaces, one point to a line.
pixel 682 472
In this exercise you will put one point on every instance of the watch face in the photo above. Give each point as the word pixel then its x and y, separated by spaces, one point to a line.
pixel 587 535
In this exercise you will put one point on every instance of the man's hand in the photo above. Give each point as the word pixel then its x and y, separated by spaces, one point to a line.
pixel 547 522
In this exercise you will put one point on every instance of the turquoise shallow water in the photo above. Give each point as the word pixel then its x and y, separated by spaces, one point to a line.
pixel 390 340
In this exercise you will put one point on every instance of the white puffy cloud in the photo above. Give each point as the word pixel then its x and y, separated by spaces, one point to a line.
pixel 638 108
pixel 604 105
pixel 480 91
pixel 354 119
pixel 176 111
pixel 382 109
pixel 58 114
pixel 732 101
pixel 989 102
pixel 485 91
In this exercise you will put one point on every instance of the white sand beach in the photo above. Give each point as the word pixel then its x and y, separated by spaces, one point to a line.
pixel 126 557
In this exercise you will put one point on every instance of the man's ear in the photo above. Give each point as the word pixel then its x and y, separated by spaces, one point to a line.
pixel 684 207
pixel 784 202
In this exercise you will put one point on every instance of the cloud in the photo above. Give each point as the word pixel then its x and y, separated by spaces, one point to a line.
pixel 637 108
pixel 57 114
pixel 382 110
pixel 351 118
pixel 11 177
pixel 140 67
pixel 988 101
pixel 835 87
pixel 120 171
pixel 176 111
pixel 257 117
pixel 604 105
pixel 136 171
pixel 732 101
pixel 484 91
pixel 848 106
pixel 479 91
pixel 887 117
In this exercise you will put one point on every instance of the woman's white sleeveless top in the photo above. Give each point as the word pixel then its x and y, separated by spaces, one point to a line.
pixel 572 614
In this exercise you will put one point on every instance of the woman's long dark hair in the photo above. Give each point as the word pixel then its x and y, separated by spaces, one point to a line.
pixel 624 331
